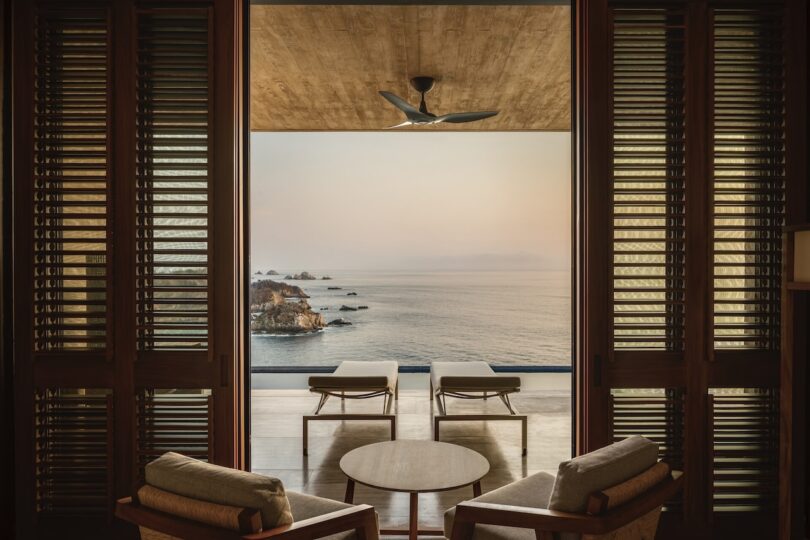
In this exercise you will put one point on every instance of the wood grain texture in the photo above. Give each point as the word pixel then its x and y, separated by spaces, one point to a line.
pixel 414 466
pixel 319 68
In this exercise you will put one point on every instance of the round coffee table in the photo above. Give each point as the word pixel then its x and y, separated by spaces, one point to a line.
pixel 413 467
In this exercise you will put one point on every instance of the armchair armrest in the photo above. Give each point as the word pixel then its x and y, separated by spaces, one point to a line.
pixel 361 519
pixel 545 521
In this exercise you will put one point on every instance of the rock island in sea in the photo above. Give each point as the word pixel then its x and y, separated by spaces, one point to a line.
pixel 279 308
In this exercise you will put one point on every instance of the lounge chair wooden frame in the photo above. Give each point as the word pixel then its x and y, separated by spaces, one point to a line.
pixel 440 395
pixel 354 393
pixel 546 522
pixel 361 519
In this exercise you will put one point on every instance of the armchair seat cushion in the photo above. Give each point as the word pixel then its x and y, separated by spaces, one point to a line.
pixel 309 506
pixel 532 491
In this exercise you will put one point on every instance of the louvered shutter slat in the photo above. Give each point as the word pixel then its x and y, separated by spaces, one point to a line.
pixel 648 180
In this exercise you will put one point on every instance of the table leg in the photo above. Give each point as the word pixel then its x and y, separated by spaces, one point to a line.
pixel 477 489
pixel 413 528
pixel 349 498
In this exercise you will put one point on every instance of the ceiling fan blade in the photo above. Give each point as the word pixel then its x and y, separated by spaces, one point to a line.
pixel 403 124
pixel 459 118
pixel 411 112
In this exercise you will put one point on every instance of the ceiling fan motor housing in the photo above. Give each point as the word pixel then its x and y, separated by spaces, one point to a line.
pixel 422 84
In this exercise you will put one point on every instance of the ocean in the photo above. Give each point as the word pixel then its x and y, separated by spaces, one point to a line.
pixel 502 317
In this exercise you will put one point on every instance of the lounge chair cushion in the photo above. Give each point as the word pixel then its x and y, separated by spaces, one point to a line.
pixel 532 491
pixel 199 480
pixel 309 506
pixel 579 477
pixel 359 376
pixel 470 377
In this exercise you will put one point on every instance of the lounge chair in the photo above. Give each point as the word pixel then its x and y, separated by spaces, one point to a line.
pixel 472 380
pixel 613 493
pixel 356 380
pixel 187 499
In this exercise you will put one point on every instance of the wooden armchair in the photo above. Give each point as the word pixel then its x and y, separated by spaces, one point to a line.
pixel 615 493
pixel 358 522
pixel 544 523
pixel 184 498
pixel 231 523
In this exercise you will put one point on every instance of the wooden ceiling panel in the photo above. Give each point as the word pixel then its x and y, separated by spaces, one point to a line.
pixel 319 68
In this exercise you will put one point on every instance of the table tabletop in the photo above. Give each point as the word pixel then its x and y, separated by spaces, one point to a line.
pixel 414 466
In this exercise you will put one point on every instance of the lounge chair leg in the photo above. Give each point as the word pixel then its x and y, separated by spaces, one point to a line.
pixel 505 399
pixel 306 436
pixel 485 396
pixel 435 428
pixel 431 389
pixel 396 391
pixel 525 435
pixel 393 428
pixel 321 403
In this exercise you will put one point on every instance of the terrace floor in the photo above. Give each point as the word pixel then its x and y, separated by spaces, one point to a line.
pixel 277 445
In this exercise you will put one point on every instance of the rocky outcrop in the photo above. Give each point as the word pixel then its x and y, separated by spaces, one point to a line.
pixel 334 288
pixel 326 277
pixel 347 308
pixel 351 294
pixel 304 276
pixel 287 318
pixel 362 307
pixel 268 291
pixel 339 322
pixel 271 273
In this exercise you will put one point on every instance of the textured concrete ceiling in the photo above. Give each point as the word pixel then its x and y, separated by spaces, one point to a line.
pixel 320 67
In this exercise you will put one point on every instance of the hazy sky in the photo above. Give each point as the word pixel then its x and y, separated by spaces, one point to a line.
pixel 410 200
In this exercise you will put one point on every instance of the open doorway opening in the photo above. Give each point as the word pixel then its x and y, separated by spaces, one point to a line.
pixel 442 242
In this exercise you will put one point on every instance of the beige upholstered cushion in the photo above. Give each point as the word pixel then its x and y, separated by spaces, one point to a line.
pixel 599 470
pixel 359 376
pixel 532 491
pixel 628 490
pixel 192 478
pixel 469 376
pixel 308 506
pixel 234 518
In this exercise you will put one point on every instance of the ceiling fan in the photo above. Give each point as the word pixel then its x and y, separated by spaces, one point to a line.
pixel 421 116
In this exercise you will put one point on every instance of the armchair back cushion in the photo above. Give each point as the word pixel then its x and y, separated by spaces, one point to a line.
pixel 196 479
pixel 233 518
pixel 578 478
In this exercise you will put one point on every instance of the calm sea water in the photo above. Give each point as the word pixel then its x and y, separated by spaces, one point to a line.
pixel 517 318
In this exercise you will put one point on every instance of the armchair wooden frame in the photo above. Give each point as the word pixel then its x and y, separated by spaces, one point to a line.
pixel 547 522
pixel 361 519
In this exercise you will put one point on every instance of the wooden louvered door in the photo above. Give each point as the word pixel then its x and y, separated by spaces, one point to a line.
pixel 686 148
pixel 126 182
